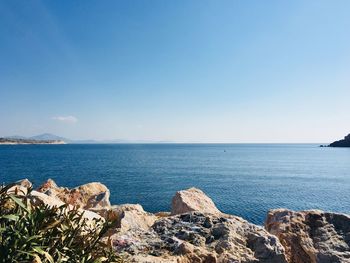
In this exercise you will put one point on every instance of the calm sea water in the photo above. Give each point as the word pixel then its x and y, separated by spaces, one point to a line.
pixel 242 179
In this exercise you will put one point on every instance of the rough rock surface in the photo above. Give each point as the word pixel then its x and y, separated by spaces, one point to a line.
pixel 200 237
pixel 132 217
pixel 311 236
pixel 196 231
pixel 37 197
pixel 24 183
pixel 190 200
pixel 20 187
pixel 91 195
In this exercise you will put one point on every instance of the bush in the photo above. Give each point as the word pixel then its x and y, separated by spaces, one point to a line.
pixel 39 233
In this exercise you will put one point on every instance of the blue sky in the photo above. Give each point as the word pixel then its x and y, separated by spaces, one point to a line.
pixel 185 71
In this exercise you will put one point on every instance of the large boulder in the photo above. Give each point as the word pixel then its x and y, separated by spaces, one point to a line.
pixel 311 236
pixel 132 217
pixel 50 188
pixel 41 198
pixel 87 196
pixel 190 200
pixel 201 237
pixel 195 232
pixel 21 187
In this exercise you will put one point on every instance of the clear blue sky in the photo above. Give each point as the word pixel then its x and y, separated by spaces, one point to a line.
pixel 186 71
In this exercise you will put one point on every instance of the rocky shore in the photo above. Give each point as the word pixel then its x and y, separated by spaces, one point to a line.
pixel 341 143
pixel 196 231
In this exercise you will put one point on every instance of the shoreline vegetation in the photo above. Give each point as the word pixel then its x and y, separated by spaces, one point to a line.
pixel 11 141
pixel 34 231
pixel 194 230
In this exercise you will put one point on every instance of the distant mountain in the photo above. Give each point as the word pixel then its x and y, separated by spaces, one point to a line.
pixel 52 137
pixel 341 143
pixel 48 136
pixel 16 137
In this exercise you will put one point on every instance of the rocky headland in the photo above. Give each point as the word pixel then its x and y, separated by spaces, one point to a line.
pixel 341 143
pixel 197 231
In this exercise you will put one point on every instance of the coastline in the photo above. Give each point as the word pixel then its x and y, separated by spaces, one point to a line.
pixel 5 141
pixel 9 143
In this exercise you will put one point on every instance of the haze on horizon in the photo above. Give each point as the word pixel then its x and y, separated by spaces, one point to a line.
pixel 182 71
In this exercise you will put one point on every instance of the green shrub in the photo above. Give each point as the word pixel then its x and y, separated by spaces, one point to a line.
pixel 39 233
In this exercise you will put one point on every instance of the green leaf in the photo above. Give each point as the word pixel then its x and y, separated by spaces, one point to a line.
pixel 18 202
pixel 10 217
pixel 44 253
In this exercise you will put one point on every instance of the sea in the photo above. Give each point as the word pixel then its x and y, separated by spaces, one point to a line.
pixel 246 180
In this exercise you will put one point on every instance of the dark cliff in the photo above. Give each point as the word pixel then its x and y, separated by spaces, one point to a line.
pixel 342 143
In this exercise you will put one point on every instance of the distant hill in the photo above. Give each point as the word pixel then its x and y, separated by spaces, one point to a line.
pixel 53 137
pixel 16 137
pixel 341 143
pixel 48 136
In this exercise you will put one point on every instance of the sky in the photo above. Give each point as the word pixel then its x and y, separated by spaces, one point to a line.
pixel 179 71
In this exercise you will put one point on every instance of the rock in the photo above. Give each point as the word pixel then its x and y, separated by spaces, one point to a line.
pixel 196 231
pixel 91 195
pixel 195 236
pixel 50 185
pixel 153 259
pixel 133 231
pixel 37 197
pixel 190 200
pixel 94 195
pixel 342 143
pixel 132 217
pixel 21 187
pixel 25 183
pixel 192 253
pixel 162 214
pixel 190 238
pixel 311 236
